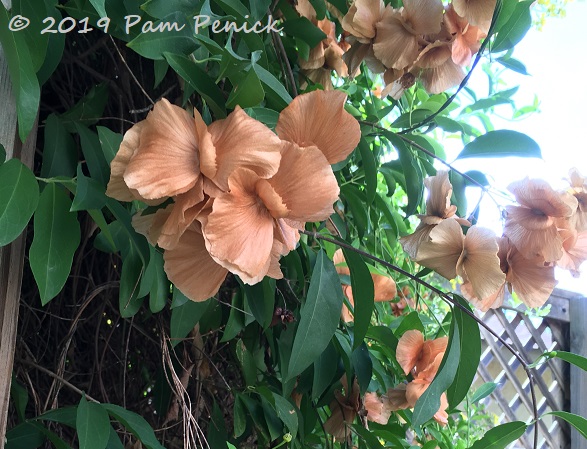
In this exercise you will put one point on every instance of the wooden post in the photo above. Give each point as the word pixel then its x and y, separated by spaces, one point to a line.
pixel 11 256
pixel 578 322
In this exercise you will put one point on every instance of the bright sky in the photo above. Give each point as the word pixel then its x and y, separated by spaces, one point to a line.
pixel 554 57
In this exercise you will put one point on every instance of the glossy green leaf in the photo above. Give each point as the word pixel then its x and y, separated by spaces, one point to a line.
pixel 25 85
pixel 88 110
pixel 470 354
pixel 363 294
pixel 19 397
pixel 25 435
pixel 370 169
pixel 59 150
pixel 236 318
pixel 261 300
pixel 57 442
pixel 483 391
pixel 162 8
pixel 363 366
pixel 383 335
pixel 368 437
pixel 501 143
pixel 99 6
pixel 200 81
pixel 19 196
pixel 247 362
pixel 110 142
pixel 185 317
pixel 159 291
pixel 324 371
pixel 275 91
pixel 410 321
pixel 429 403
pixel 319 318
pixel 500 436
pixel 247 93
pixel 240 417
pixel 411 170
pixel 154 45
pixel 216 436
pixel 92 151
pixel 136 424
pixel 578 422
pixel 89 194
pixel 287 413
pixel 305 30
pixel 132 271
pixel 575 359
pixel 356 203
pixel 114 440
pixel 515 28
pixel 513 64
pixel 92 424
pixel 57 236
pixel 64 415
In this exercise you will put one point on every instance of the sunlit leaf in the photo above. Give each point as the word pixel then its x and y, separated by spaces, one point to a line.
pixel 500 436
pixel 501 143
pixel 578 422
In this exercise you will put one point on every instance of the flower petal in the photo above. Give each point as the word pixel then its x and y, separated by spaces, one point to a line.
pixel 239 230
pixel 385 288
pixel 318 119
pixel 117 188
pixel 395 46
pixel 240 141
pixel 376 409
pixel 191 269
pixel 409 349
pixel 166 162
pixel 442 252
pixel 424 16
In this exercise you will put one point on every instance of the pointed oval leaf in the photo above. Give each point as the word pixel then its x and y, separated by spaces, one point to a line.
pixel 320 315
pixel 185 317
pixel 92 424
pixel 57 236
pixel 499 437
pixel 59 151
pixel 136 424
pixel 19 196
pixel 578 422
pixel 515 28
pixel 501 143
pixel 483 391
pixel 575 359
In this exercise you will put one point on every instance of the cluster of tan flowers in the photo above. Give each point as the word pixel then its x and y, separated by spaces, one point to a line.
pixel 421 40
pixel 235 193
pixel 547 229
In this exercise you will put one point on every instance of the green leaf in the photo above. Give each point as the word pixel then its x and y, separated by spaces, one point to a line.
pixel 363 294
pixel 99 7
pixel 240 417
pixel 501 143
pixel 247 93
pixel 57 236
pixel 200 81
pixel 3 154
pixel 513 64
pixel 305 30
pixel 368 437
pixel 363 366
pixel 575 359
pixel 247 362
pixel 110 142
pixel 470 354
pixel 159 291
pixel 324 371
pixel 25 85
pixel 19 196
pixel 92 151
pixel 411 170
pixel 429 403
pixel 578 422
pixel 500 436
pixel 20 398
pixel 286 411
pixel 185 317
pixel 483 391
pixel 216 436
pixel 236 318
pixel 261 300
pixel 320 315
pixel 57 442
pixel 113 440
pixel 515 28
pixel 25 435
pixel 357 207
pixel 89 194
pixel 65 415
pixel 370 169
pixel 92 424
pixel 133 267
pixel 383 335
pixel 59 151
pixel 136 424
pixel 154 45
pixel 88 110
pixel 274 90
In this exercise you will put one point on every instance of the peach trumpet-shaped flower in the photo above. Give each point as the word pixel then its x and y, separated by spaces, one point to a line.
pixel 384 287
pixel 476 12
pixel 473 257
pixel 240 230
pixel 397 42
pixel 467 37
pixel 343 410
pixel 578 188
pixel 532 227
pixel 438 209
pixel 361 18
pixel 319 119
pixel 532 281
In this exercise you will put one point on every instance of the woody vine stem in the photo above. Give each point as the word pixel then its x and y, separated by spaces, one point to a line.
pixel 448 299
